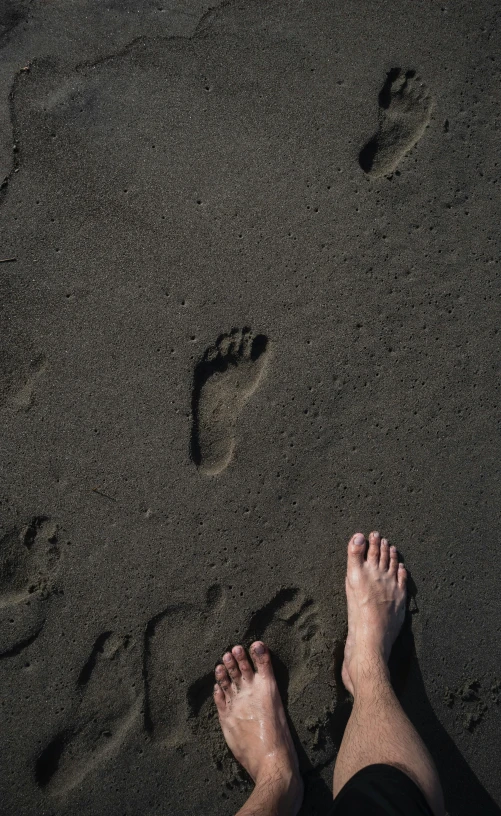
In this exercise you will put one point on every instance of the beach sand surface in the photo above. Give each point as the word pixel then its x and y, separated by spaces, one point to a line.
pixel 253 307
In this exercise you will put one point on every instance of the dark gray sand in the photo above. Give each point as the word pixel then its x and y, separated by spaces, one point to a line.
pixel 254 307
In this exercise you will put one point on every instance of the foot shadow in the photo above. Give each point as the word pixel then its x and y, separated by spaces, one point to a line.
pixel 461 798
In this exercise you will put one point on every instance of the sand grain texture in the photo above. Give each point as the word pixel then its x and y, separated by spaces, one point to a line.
pixel 254 308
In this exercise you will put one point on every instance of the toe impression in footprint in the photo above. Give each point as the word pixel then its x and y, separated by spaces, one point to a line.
pixel 29 559
pixel 224 379
pixel 405 107
pixel 108 701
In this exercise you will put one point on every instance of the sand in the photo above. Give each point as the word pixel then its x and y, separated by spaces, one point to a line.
pixel 253 308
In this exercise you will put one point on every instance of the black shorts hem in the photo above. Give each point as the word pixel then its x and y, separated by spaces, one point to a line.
pixel 380 790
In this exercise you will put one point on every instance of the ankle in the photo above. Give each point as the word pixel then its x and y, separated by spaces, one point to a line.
pixel 369 673
pixel 281 785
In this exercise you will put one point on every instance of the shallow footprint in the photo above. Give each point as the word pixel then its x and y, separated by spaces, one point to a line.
pixel 21 363
pixel 29 560
pixel 107 704
pixel 224 379
pixel 291 624
pixel 164 707
pixel 168 651
pixel 404 112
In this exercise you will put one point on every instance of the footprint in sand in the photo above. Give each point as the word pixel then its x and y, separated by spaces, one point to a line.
pixel 108 701
pixel 224 379
pixel 21 363
pixel 291 625
pixel 168 648
pixel 29 559
pixel 22 398
pixel 404 112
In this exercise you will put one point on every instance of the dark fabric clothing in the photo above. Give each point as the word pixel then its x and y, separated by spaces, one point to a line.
pixel 380 790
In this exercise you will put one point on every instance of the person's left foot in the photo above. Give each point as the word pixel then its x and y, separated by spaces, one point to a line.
pixel 254 725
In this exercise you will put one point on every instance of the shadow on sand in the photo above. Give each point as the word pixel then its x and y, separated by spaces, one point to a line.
pixel 463 792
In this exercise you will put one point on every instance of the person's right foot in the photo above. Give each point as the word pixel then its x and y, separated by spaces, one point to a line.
pixel 376 593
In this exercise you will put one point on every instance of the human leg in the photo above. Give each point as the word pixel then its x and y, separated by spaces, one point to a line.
pixel 378 731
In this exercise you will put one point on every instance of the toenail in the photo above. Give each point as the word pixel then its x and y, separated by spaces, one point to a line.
pixel 393 549
pixel 227 657
pixel 259 649
pixel 359 539
pixel 239 651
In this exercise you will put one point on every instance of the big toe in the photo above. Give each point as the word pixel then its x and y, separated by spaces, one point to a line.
pixel 356 550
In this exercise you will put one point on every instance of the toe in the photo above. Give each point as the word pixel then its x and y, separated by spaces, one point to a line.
pixel 232 668
pixel 374 549
pixel 223 344
pixel 234 349
pixel 261 658
pixel 356 550
pixel 402 576
pixel 384 558
pixel 219 698
pixel 393 561
pixel 246 347
pixel 245 667
pixel 224 681
pixel 259 347
pixel 211 354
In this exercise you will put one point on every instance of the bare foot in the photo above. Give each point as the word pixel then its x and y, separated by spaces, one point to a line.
pixel 376 592
pixel 255 727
